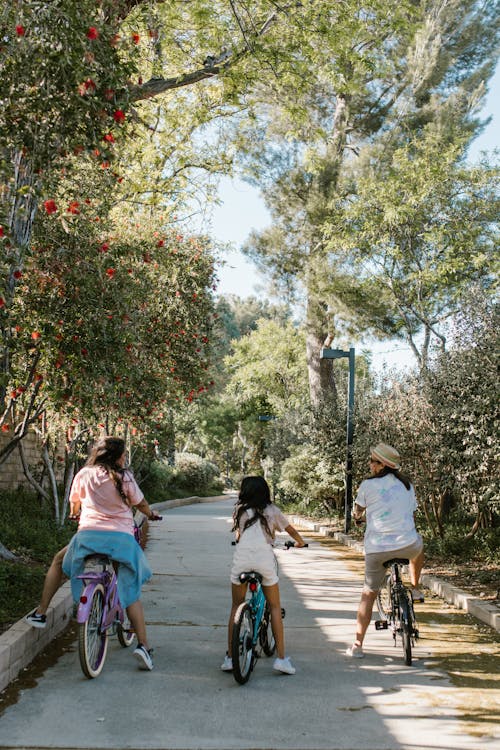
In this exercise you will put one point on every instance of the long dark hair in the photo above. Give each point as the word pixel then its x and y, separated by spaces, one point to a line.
pixel 254 495
pixel 387 470
pixel 106 453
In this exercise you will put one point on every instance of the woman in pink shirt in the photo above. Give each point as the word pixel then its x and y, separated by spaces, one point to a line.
pixel 102 495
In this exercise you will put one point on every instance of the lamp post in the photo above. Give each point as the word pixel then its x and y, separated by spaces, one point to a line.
pixel 338 354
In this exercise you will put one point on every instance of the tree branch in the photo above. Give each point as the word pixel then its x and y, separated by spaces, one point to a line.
pixel 156 86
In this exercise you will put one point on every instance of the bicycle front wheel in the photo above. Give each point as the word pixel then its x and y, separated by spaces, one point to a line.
pixel 384 604
pixel 125 634
pixel 92 641
pixel 242 646
pixel 406 626
pixel 266 637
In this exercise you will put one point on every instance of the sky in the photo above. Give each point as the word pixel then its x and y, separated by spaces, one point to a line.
pixel 242 209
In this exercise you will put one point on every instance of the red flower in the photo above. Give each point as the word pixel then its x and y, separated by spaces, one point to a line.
pixel 104 247
pixel 73 208
pixel 92 33
pixel 105 165
pixel 111 272
pixel 50 206
pixel 17 274
pixel 136 38
pixel 85 352
pixel 35 335
pixel 1 231
pixel 109 94
pixel 2 302
pixel 119 116
pixel 20 30
pixel 5 428
pixel 109 138
pixel 160 243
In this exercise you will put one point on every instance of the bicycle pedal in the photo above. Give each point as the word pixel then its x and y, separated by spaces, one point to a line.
pixel 381 625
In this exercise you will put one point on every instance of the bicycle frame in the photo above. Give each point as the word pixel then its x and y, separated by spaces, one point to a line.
pixel 400 619
pixel 112 611
pixel 256 602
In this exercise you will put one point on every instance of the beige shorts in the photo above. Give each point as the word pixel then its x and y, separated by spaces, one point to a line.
pixel 261 559
pixel 374 563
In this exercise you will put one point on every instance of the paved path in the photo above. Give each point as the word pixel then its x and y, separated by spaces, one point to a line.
pixel 187 703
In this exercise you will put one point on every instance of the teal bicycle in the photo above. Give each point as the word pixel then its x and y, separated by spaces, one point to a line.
pixel 252 631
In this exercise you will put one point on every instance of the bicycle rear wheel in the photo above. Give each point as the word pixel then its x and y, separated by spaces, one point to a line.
pixel 266 637
pixel 406 626
pixel 384 604
pixel 242 646
pixel 92 642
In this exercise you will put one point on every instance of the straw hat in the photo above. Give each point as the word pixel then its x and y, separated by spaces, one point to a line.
pixel 387 455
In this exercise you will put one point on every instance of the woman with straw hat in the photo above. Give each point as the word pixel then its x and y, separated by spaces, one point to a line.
pixel 388 500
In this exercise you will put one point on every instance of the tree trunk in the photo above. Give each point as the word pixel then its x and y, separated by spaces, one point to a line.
pixel 322 386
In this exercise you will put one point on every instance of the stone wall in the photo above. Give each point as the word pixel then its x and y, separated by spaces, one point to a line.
pixel 11 471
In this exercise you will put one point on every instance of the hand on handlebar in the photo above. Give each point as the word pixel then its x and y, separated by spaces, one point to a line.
pixel 155 517
pixel 289 544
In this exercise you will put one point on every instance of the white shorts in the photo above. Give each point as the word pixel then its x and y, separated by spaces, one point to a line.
pixel 261 559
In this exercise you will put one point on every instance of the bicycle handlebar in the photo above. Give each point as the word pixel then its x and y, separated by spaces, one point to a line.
pixel 287 545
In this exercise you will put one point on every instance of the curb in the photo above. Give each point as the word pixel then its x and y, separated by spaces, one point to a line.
pixel 487 613
pixel 21 643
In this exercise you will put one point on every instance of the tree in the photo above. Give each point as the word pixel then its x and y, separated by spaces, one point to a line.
pixel 401 71
pixel 423 229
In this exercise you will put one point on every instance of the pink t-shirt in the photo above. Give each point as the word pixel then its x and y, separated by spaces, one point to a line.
pixel 102 508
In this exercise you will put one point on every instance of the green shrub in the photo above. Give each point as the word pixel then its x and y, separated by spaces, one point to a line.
pixel 309 480
pixel 194 472
pixel 158 484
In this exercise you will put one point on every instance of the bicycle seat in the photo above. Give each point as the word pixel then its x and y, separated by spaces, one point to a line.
pixel 250 577
pixel 98 556
pixel 396 561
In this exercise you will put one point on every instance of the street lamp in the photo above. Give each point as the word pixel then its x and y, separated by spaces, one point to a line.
pixel 338 354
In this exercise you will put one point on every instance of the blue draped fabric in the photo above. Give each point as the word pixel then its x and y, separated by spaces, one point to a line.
pixel 133 567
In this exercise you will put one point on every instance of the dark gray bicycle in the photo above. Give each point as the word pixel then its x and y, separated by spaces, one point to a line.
pixel 395 607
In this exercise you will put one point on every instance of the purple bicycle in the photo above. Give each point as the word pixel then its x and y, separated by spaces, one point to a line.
pixel 100 613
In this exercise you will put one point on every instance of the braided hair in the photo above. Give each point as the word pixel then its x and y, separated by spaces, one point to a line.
pixel 254 495
pixel 106 453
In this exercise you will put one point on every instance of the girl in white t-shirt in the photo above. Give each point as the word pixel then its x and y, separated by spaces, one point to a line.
pixel 255 521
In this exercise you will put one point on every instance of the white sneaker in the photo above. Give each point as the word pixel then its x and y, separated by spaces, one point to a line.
pixel 355 651
pixel 227 664
pixel 284 665
pixel 144 657
pixel 36 620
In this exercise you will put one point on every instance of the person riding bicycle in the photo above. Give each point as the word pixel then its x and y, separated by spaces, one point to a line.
pixel 102 495
pixel 388 499
pixel 255 521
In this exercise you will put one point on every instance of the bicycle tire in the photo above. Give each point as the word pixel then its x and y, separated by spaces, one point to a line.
pixel 125 634
pixel 242 646
pixel 266 637
pixel 384 603
pixel 92 643
pixel 406 627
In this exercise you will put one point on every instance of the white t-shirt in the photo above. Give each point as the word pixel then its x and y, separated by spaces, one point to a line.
pixel 276 521
pixel 389 513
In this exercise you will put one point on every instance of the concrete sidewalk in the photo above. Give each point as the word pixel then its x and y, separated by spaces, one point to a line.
pixel 332 703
